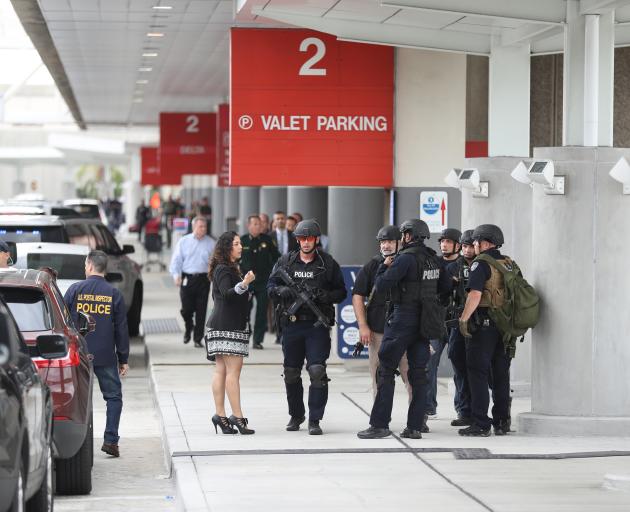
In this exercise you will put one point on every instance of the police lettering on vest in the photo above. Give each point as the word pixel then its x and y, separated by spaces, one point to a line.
pixel 303 274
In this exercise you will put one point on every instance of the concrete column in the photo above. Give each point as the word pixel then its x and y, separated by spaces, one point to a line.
pixel 606 88
pixel 311 202
pixel 204 185
pixel 573 77
pixel 273 199
pixel 218 212
pixel 354 215
pixel 508 100
pixel 248 204
pixel 509 206
pixel 580 352
pixel 591 78
pixel 230 207
pixel 187 196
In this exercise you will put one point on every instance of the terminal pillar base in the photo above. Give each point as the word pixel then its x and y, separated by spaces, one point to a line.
pixel 548 425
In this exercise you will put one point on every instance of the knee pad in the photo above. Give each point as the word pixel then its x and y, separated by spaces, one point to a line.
pixel 417 376
pixel 384 375
pixel 317 373
pixel 292 375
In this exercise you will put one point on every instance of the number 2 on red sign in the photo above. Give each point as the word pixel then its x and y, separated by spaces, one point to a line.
pixel 307 68
pixel 192 124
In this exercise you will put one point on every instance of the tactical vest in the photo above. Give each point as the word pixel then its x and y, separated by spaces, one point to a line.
pixel 493 295
pixel 412 292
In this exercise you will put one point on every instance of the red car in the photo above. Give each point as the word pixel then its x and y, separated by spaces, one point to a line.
pixel 39 309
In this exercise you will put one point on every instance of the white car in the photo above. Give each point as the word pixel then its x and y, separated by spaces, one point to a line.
pixel 67 259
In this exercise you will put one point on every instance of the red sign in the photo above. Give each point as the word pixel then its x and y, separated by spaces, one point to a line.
pixel 187 143
pixel 307 109
pixel 150 166
pixel 223 145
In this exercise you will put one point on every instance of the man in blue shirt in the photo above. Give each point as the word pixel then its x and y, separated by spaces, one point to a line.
pixel 109 343
pixel 189 268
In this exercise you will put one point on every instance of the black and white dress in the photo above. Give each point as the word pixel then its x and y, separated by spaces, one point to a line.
pixel 226 330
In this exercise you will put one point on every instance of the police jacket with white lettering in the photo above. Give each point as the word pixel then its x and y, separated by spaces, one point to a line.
pixel 415 274
pixel 322 275
pixel 109 343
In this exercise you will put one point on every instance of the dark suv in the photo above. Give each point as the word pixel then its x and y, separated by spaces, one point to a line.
pixel 39 309
pixel 26 448
pixel 123 272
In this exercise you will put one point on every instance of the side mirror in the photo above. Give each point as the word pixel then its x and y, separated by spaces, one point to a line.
pixel 52 346
pixel 87 324
pixel 128 249
pixel 113 277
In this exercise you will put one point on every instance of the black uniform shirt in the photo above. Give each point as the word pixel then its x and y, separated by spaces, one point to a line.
pixel 363 286
pixel 259 255
pixel 109 343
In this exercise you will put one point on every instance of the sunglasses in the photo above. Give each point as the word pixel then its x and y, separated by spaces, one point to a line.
pixel 306 238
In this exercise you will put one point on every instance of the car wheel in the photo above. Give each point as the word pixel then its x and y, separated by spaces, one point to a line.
pixel 74 475
pixel 17 505
pixel 133 316
pixel 42 500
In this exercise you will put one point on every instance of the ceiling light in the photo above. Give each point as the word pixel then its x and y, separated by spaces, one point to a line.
pixel 145 70
pixel 162 7
pixel 142 82
pixel 150 54
pixel 137 100
pixel 155 34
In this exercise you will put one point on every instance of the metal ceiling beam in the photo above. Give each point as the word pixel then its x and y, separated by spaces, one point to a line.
pixel 536 11
pixel 529 33
pixel 601 6
pixel 387 34
pixel 32 19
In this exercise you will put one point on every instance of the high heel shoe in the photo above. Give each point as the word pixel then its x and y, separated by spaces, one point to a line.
pixel 241 425
pixel 223 423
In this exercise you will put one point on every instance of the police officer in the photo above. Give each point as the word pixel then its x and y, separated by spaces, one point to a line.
pixel 415 279
pixel 109 343
pixel 372 322
pixel 459 270
pixel 300 337
pixel 449 246
pixel 259 255
pixel 485 351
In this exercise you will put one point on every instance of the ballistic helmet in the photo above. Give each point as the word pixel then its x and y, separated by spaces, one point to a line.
pixel 388 233
pixel 307 227
pixel 467 237
pixel 490 233
pixel 450 234
pixel 418 229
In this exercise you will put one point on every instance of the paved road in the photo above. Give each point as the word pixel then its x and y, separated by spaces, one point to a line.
pixel 138 480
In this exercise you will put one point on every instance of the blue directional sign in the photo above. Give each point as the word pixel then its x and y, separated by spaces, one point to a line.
pixel 347 326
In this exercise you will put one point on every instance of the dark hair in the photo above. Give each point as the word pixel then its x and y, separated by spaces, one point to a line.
pixel 291 217
pixel 252 216
pixel 99 260
pixel 222 252
pixel 280 212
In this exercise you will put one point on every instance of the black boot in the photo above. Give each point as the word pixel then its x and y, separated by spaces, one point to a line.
pixel 474 431
pixel 502 428
pixel 425 427
pixel 187 336
pixel 409 433
pixel 461 421
pixel 314 429
pixel 374 433
pixel 294 423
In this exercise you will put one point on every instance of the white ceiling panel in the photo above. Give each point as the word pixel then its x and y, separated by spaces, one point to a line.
pixel 54 5
pixel 307 8
pixel 84 5
pixel 423 19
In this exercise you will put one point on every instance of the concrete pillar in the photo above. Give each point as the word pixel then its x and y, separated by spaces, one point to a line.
pixel 218 212
pixel 606 88
pixel 311 202
pixel 354 215
pixel 508 100
pixel 132 195
pixel 510 207
pixel 580 352
pixel 573 77
pixel 248 204
pixel 187 195
pixel 273 199
pixel 231 207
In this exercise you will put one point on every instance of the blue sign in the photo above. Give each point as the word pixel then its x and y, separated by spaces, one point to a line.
pixel 431 206
pixel 347 326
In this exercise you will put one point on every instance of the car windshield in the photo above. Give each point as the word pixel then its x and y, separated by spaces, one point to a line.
pixel 33 234
pixel 87 210
pixel 68 266
pixel 28 307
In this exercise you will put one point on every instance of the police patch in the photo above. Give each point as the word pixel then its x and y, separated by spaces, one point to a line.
pixel 474 266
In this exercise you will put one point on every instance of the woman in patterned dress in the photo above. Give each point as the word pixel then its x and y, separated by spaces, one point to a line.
pixel 227 336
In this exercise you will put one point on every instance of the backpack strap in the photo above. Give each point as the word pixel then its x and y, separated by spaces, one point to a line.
pixel 495 264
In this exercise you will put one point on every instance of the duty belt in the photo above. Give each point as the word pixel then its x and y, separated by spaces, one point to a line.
pixel 302 318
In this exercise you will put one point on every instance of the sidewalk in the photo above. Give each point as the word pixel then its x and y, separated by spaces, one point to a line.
pixel 286 471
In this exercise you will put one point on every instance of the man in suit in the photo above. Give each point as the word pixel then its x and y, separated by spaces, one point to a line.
pixel 282 238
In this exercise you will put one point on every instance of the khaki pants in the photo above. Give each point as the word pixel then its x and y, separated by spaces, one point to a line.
pixel 403 367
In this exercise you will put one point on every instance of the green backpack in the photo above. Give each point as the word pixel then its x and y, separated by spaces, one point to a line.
pixel 521 308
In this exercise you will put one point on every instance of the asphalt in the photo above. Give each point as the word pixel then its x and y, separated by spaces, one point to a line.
pixel 281 471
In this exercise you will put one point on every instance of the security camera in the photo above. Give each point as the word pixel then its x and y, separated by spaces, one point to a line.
pixel 452 178
pixel 520 174
pixel 621 173
pixel 543 173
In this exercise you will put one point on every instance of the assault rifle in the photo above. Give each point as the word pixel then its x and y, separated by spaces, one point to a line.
pixel 304 297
